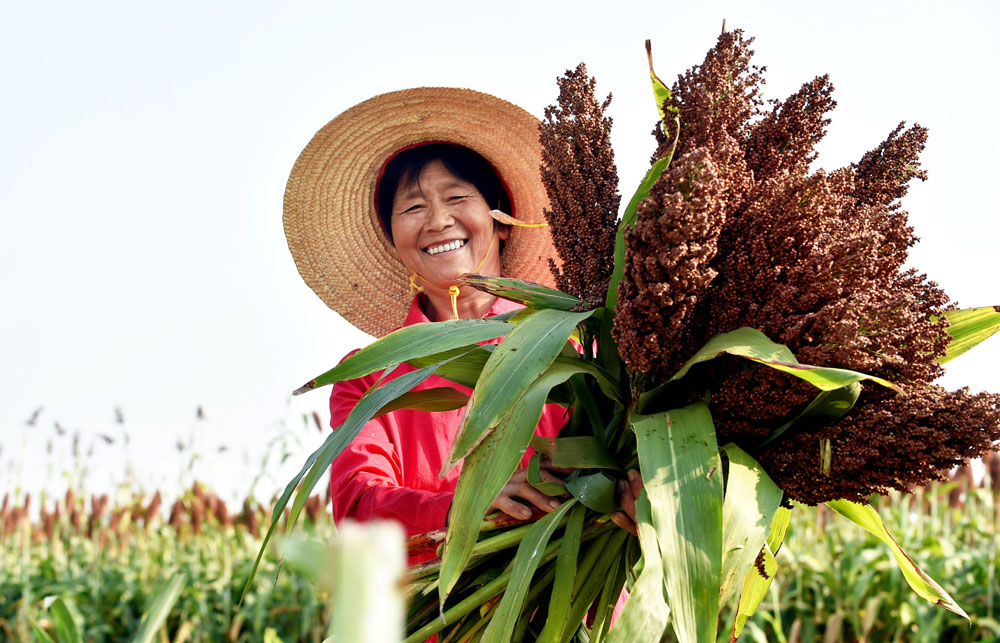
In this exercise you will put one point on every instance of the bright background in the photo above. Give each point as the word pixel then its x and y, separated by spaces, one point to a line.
pixel 144 151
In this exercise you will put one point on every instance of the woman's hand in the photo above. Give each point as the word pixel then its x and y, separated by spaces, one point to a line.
pixel 628 490
pixel 519 491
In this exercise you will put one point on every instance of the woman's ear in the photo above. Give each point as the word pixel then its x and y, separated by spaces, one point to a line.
pixel 502 230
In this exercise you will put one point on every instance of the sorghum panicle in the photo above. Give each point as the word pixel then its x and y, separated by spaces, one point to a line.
pixel 717 99
pixel 580 177
pixel 785 139
pixel 887 441
pixel 667 268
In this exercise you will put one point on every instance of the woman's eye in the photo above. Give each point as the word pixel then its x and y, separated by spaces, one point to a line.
pixel 457 198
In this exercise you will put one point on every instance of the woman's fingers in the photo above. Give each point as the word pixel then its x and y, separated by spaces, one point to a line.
pixel 525 491
pixel 629 490
pixel 549 477
pixel 511 507
pixel 635 482
pixel 518 491
pixel 626 523
pixel 627 499
pixel 548 466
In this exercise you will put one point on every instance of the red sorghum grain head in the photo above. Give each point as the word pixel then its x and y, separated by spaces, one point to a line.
pixel 580 177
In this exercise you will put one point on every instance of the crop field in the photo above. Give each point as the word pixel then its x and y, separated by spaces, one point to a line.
pixel 108 563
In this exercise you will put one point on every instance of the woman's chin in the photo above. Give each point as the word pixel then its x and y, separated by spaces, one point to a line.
pixel 445 276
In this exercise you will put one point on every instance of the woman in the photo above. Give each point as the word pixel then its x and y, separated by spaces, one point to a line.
pixel 386 208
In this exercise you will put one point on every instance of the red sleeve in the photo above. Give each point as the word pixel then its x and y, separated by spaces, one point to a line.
pixel 366 480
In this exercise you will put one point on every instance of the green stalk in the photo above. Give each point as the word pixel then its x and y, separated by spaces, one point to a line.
pixel 482 595
pixel 505 540
pixel 423 570
pixel 609 596
pixel 530 602
pixel 457 631
pixel 477 628
pixel 582 600
pixel 540 585
pixel 587 564
pixel 413 588
pixel 566 571
pixel 474 560
pixel 426 609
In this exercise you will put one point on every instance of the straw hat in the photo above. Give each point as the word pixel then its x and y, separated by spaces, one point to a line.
pixel 331 223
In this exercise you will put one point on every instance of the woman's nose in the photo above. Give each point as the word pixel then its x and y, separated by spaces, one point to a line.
pixel 438 216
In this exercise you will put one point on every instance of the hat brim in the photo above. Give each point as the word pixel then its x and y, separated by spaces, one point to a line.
pixel 330 221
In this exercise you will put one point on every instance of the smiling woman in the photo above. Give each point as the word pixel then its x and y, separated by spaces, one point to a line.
pixel 403 193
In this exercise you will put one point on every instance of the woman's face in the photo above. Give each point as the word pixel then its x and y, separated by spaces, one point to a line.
pixel 442 228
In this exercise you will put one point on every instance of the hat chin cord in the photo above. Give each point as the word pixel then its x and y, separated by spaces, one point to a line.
pixel 453 290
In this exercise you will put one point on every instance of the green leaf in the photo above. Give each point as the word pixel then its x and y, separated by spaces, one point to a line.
pixel 585 403
pixel 529 553
pixel 607 382
pixel 578 452
pixel 535 478
pixel 969 327
pixel 441 398
pixel 562 588
pixel 645 615
pixel 755 586
pixel 779 527
pixel 524 354
pixel 754 345
pixel 596 491
pixel 527 293
pixel 66 626
pixel 607 348
pixel 753 591
pixel 41 634
pixel 926 587
pixel 627 221
pixel 157 614
pixel 409 343
pixel 834 403
pixel 660 91
pixel 318 463
pixel 679 460
pixel 461 365
pixel 747 511
pixel 485 472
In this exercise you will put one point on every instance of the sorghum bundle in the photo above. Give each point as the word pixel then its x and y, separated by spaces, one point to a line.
pixel 739 232
pixel 778 280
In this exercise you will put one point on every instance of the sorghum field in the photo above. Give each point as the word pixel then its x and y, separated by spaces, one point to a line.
pixel 107 563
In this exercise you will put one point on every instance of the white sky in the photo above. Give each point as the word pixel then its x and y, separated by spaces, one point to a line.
pixel 144 151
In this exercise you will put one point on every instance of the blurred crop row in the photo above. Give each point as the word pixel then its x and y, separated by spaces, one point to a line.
pixel 835 583
pixel 108 563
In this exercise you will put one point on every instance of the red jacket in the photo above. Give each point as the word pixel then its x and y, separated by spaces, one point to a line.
pixel 391 468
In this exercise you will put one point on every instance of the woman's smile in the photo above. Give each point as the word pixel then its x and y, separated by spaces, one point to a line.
pixel 446 247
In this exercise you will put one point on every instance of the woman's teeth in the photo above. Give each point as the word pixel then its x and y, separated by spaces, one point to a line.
pixel 445 247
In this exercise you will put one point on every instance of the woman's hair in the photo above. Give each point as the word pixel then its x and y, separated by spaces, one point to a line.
pixel 465 164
